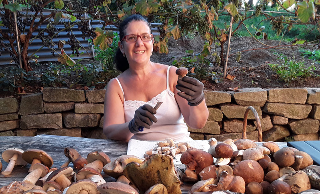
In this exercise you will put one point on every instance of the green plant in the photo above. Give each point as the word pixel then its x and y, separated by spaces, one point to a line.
pixel 291 70
pixel 314 55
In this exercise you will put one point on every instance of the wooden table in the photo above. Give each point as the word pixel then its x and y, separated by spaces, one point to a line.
pixel 54 146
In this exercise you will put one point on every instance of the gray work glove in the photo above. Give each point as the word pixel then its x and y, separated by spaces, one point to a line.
pixel 191 89
pixel 143 118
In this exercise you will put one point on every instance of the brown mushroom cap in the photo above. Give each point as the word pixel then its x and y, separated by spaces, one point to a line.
pixel 98 155
pixel 272 175
pixel 116 188
pixel 196 159
pixel 55 174
pixel 298 181
pixel 284 157
pixel 208 172
pixel 278 186
pixel 253 154
pixel 82 185
pixel 273 166
pixel 307 160
pixel 243 144
pixel 189 176
pixel 254 188
pixel 200 185
pixel 181 72
pixel 249 170
pixel 223 150
pixel 265 185
pixel 31 154
pixel 272 146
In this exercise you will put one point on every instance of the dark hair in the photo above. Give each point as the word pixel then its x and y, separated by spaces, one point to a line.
pixel 121 61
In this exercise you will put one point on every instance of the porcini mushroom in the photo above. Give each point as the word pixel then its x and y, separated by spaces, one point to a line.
pixel 61 176
pixel 116 188
pixel 74 157
pixel 249 170
pixel 39 170
pixel 284 157
pixel 14 157
pixel 278 186
pixel 157 189
pixel 196 159
pixel 97 160
pixel 82 186
pixel 16 187
pixel 33 156
pixel 254 188
pixel 181 72
pixel 298 181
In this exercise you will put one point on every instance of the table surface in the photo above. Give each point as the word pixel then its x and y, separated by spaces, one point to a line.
pixel 54 146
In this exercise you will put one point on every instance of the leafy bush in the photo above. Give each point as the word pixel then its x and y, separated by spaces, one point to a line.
pixel 292 70
pixel 314 55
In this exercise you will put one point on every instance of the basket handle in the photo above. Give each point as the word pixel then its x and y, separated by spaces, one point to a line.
pixel 244 132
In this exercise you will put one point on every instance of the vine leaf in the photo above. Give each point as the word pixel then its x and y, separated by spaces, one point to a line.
pixel 175 31
pixel 288 3
pixel 57 17
pixel 232 9
pixel 14 7
pixel 58 4
pixel 103 40
pixel 145 7
pixel 306 11
pixel 162 46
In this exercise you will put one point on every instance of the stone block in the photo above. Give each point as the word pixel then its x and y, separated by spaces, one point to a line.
pixel 8 105
pixel 215 97
pixel 292 111
pixel 304 126
pixel 95 96
pixel 63 95
pixel 9 125
pixel 53 107
pixel 89 108
pixel 95 133
pixel 237 111
pixel 211 127
pixel 277 133
pixel 27 132
pixel 251 97
pixel 72 120
pixel 215 114
pixel 315 113
pixel 313 96
pixel 197 136
pixel 236 126
pixel 279 120
pixel 288 95
pixel 41 121
pixel 7 133
pixel 9 117
pixel 31 104
pixel 306 137
pixel 74 132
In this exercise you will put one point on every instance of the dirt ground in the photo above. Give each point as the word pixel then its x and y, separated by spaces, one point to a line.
pixel 252 71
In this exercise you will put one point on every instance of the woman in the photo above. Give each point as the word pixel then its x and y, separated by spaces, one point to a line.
pixel 131 97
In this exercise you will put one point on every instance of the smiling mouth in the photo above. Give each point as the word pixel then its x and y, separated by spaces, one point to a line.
pixel 139 52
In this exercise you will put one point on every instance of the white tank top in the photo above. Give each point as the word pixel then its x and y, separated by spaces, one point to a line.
pixel 170 122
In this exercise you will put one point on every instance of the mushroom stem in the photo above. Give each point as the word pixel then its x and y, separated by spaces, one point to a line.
pixel 11 165
pixel 97 165
pixel 33 176
pixel 34 161
pixel 63 181
pixel 65 164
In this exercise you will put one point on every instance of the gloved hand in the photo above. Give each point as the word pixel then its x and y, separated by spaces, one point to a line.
pixel 143 118
pixel 191 90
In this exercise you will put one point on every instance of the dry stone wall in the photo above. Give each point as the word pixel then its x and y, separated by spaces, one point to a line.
pixel 286 114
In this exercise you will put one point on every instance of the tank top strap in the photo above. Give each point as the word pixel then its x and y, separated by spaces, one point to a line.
pixel 168 70
pixel 121 88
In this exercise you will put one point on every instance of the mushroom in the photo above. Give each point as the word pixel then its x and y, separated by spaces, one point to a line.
pixel 298 181
pixel 264 162
pixel 306 159
pixel 278 186
pixel 249 170
pixel 254 188
pixel 116 188
pixel 157 189
pixel 14 157
pixel 273 166
pixel 313 173
pixel 181 72
pixel 284 157
pixel 272 146
pixel 156 169
pixel 208 172
pixel 39 170
pixel 74 157
pixel 33 156
pixel 82 186
pixel 253 154
pixel 92 174
pixel 189 176
pixel 60 176
pixel 97 160
pixel 286 170
pixel 51 186
pixel 201 185
pixel 265 186
pixel 196 159
pixel 272 175
pixel 16 187
pixel 115 168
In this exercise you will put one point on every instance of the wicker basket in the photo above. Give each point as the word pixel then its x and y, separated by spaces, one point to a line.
pixel 244 132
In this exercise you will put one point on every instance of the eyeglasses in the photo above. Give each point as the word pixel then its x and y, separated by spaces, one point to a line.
pixel 133 37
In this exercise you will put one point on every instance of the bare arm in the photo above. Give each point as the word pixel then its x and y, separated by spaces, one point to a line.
pixel 114 125
pixel 194 116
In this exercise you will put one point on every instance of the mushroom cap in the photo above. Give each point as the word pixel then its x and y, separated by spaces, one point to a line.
pixel 41 155
pixel 298 181
pixel 8 153
pixel 98 155
pixel 273 166
pixel 224 168
pixel 55 174
pixel 85 171
pixel 243 144
pixel 284 157
pixel 196 159
pixel 237 184
pixel 208 172
pixel 249 170
pixel 272 146
pixel 264 162
pixel 116 188
pixel 85 184
pixel 53 184
pixel 286 170
pixel 182 71
pixel 254 188
pixel 223 150
pixel 272 175
pixel 265 185
pixel 157 189
pixel 279 186
pixel 189 176
pixel 307 160
pixel 253 154
pixel 198 186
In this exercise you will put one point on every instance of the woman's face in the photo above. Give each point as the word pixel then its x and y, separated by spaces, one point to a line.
pixel 137 52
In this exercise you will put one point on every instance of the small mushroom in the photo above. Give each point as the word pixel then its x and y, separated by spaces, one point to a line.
pixel 253 154
pixel 201 185
pixel 181 72
pixel 196 159
pixel 97 160
pixel 61 176
pixel 243 144
pixel 74 157
pixel 306 160
pixel 39 170
pixel 51 186
pixel 298 181
pixel 208 172
pixel 157 189
pixel 284 157
pixel 92 174
pixel 189 176
pixel 116 188
pixel 14 157
pixel 272 175
pixel 33 156
pixel 272 146
pixel 278 186
pixel 254 188
pixel 249 170
pixel 82 186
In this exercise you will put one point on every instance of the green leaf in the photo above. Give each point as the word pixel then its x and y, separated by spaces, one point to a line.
pixel 156 38
pixel 232 9
pixel 58 4
pixel 57 17
pixel 288 3
pixel 142 7
pixel 299 42
pixel 175 31
pixel 73 18
pixel 306 11
pixel 14 7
